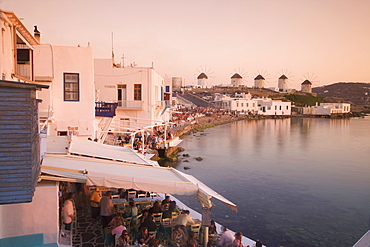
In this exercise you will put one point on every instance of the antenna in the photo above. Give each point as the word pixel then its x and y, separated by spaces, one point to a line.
pixel 112 51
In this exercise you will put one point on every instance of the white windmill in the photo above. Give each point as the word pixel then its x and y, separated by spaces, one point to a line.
pixel 283 81
pixel 306 85
pixel 202 78
pixel 259 80
pixel 237 79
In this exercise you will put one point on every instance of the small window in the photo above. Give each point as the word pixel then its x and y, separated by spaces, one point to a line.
pixel 137 91
pixel 71 87
pixel 167 89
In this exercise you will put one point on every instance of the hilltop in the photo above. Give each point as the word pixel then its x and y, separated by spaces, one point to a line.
pixel 358 94
pixel 355 92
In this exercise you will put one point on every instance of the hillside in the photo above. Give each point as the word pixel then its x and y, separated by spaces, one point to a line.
pixel 355 92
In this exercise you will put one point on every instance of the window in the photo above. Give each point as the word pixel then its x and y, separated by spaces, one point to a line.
pixel 137 91
pixel 121 94
pixel 167 89
pixel 71 87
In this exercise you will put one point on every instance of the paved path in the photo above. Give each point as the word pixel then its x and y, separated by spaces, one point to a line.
pixel 87 233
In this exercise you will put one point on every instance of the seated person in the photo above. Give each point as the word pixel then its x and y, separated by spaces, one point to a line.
pixel 238 240
pixel 179 237
pixel 144 236
pixel 155 243
pixel 124 239
pixel 116 221
pixel 183 220
pixel 149 223
pixel 192 241
pixel 156 208
pixel 212 228
pixel 118 230
pixel 172 208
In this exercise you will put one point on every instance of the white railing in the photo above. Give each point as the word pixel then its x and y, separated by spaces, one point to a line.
pixel 130 104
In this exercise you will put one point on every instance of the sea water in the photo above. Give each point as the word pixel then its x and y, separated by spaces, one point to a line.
pixel 297 181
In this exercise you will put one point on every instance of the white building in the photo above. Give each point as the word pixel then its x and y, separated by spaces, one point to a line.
pixel 330 108
pixel 240 103
pixel 17 53
pixel 244 103
pixel 269 107
pixel 139 91
pixel 70 101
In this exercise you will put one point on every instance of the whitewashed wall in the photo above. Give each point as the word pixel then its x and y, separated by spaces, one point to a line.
pixel 65 59
pixel 107 78
pixel 39 216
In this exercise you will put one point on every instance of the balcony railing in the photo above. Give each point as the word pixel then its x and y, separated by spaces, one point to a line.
pixel 103 109
pixel 130 105
pixel 24 70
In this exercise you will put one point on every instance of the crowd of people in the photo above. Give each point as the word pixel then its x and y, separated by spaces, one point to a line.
pixel 136 226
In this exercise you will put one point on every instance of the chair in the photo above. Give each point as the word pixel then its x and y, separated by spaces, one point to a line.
pixel 115 196
pixel 167 229
pixel 195 228
pixel 157 218
pixel 141 195
pixel 131 194
pixel 116 237
pixel 128 223
pixel 153 194
pixel 175 215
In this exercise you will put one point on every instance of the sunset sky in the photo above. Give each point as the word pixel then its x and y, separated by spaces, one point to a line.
pixel 324 40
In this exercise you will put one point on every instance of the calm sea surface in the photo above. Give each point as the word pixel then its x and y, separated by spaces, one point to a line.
pixel 297 182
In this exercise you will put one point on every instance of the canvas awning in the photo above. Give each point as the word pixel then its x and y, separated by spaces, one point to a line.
pixel 115 174
pixel 82 146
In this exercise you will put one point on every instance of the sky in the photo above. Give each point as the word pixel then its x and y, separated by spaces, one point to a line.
pixel 325 41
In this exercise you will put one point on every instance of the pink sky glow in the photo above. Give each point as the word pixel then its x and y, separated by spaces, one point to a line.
pixel 325 40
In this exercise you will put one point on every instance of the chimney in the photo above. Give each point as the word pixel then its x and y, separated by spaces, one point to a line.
pixel 36 34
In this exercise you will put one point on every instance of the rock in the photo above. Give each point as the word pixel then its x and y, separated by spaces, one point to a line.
pixel 186 155
pixel 199 158
pixel 185 161
pixel 186 168
pixel 180 149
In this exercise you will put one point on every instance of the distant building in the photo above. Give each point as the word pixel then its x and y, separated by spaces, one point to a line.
pixel 271 107
pixel 236 80
pixel 244 103
pixel 177 83
pixel 330 108
pixel 259 82
pixel 306 87
pixel 283 83
pixel 202 80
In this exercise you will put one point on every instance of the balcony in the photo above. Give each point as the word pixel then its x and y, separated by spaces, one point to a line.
pixel 103 109
pixel 134 105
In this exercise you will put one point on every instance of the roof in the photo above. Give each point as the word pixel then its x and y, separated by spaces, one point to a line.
pixel 283 77
pixel 20 27
pixel 259 77
pixel 113 174
pixel 236 75
pixel 4 83
pixel 306 82
pixel 202 76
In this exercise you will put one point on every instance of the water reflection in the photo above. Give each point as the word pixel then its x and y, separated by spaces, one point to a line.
pixel 297 182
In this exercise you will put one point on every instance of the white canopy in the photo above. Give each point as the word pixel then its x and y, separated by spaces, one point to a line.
pixel 82 146
pixel 115 174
